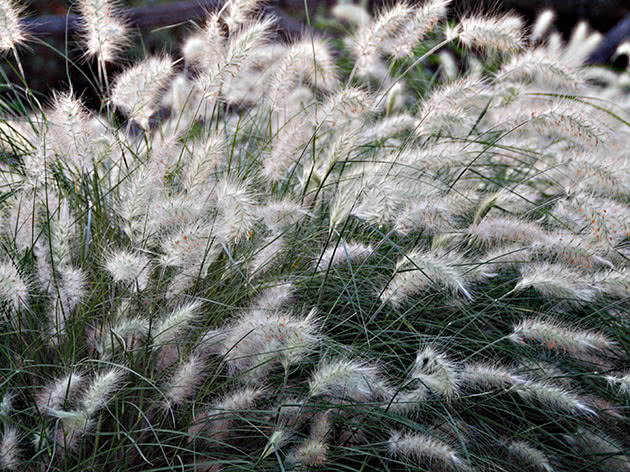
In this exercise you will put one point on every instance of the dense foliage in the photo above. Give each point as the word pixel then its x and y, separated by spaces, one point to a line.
pixel 284 257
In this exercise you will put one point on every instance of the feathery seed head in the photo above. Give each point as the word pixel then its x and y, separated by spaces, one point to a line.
pixel 369 40
pixel 13 32
pixel 240 400
pixel 218 421
pixel 311 453
pixel 10 453
pixel 124 334
pixel 436 372
pixel 290 413
pixel 343 253
pixel 622 383
pixel 344 106
pixel 269 254
pixel 392 125
pixel 195 49
pixel 286 151
pixel 501 259
pixel 433 215
pixel 599 449
pixel 501 34
pixel 560 399
pixel 274 297
pixel 6 405
pixel 69 135
pixel 423 449
pixel 492 230
pixel 205 159
pixel 342 379
pixel 581 43
pixel 307 61
pixel 67 292
pixel 186 378
pixel 191 247
pixel 574 251
pixel 138 89
pixel 258 338
pixel 237 210
pixel 540 69
pixel 558 337
pixel 169 329
pixel 129 268
pixel 104 32
pixel 529 456
pixel 241 45
pixel 557 281
pixel 280 215
pixel 543 22
pixel 73 425
pixel 14 290
pixel 100 390
pixel 240 12
pixel 447 105
pixel 395 99
pixel 55 395
pixel 421 22
pixel 354 14
pixel 482 376
pixel 421 270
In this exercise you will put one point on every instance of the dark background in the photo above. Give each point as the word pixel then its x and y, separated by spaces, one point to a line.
pixel 53 61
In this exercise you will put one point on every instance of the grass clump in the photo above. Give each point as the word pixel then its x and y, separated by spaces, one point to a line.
pixel 253 259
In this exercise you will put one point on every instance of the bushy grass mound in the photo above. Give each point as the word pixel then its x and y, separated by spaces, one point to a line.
pixel 255 259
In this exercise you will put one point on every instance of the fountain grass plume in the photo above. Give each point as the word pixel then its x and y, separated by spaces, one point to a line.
pixel 292 257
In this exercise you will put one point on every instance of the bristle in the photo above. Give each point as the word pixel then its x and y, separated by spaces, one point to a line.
pixel 282 214
pixel 529 456
pixel 55 395
pixel 130 268
pixel 174 324
pixel 342 379
pixel 344 252
pixel 237 210
pixel 421 270
pixel 137 90
pixel 11 456
pixel 187 377
pixel 100 390
pixel 257 339
pixel 216 423
pixel 543 22
pixel 556 399
pixel 481 376
pixel 13 287
pixel 423 20
pixel 105 33
pixel 557 282
pixel 268 255
pixel 561 339
pixel 13 31
pixel 356 15
pixel 423 449
pixel 503 34
pixel 369 40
